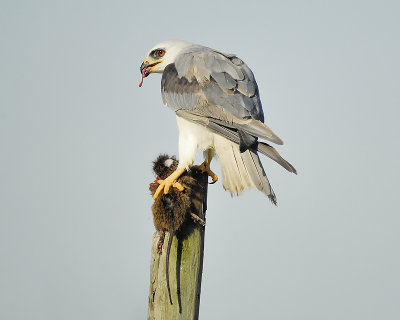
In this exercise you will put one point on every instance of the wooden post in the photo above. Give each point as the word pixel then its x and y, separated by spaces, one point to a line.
pixel 185 264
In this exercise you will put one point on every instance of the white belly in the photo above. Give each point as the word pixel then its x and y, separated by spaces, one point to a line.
pixel 192 136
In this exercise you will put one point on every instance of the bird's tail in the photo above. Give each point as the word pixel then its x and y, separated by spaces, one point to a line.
pixel 241 171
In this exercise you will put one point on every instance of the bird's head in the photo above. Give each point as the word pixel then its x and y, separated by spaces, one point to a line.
pixel 161 55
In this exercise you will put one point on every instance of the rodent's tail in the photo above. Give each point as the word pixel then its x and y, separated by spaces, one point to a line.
pixel 171 237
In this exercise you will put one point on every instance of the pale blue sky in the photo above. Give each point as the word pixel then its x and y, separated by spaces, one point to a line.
pixel 77 137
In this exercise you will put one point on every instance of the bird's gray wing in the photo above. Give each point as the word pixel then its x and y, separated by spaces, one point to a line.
pixel 205 83
pixel 234 136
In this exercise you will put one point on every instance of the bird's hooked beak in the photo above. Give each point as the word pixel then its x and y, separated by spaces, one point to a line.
pixel 146 68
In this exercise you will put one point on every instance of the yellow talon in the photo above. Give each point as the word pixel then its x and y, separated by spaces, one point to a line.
pixel 169 182
pixel 205 167
pixel 178 186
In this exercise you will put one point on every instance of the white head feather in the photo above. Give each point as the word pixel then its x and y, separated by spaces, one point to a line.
pixel 172 48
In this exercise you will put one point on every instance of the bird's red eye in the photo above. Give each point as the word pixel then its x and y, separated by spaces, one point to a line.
pixel 160 53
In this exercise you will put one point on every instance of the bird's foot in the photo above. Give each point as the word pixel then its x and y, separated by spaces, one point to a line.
pixel 169 182
pixel 205 167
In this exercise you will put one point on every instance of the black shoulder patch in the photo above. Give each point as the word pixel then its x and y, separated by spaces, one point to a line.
pixel 170 82
pixel 246 141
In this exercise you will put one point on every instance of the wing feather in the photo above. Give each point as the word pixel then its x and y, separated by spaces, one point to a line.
pixel 213 72
pixel 219 92
pixel 233 135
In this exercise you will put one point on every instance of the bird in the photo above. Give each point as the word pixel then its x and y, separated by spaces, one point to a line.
pixel 218 109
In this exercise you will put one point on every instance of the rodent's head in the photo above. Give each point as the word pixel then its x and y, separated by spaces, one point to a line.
pixel 164 165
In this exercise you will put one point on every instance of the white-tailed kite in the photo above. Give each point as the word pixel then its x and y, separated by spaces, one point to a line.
pixel 218 108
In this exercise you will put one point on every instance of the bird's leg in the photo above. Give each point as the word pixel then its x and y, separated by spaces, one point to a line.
pixel 169 182
pixel 205 167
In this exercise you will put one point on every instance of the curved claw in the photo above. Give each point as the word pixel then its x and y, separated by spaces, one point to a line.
pixel 178 186
pixel 213 176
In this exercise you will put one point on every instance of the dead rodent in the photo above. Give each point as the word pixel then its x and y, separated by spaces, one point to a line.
pixel 171 210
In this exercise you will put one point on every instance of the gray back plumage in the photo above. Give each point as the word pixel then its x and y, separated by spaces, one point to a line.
pixel 201 75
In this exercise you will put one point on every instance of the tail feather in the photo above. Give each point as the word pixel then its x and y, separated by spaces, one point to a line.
pixel 234 176
pixel 257 174
pixel 243 178
pixel 240 171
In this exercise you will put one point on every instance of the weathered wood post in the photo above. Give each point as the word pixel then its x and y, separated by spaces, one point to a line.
pixel 185 264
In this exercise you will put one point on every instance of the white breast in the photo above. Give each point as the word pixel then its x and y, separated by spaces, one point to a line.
pixel 192 136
